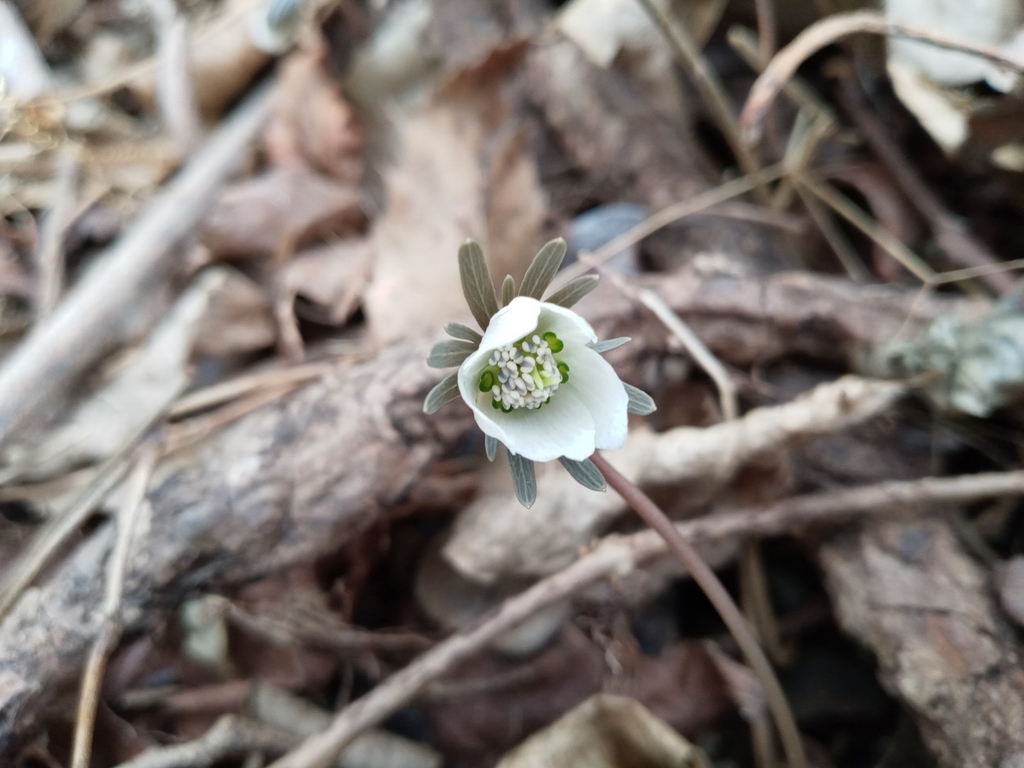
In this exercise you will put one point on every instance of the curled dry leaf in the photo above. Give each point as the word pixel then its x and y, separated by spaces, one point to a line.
pixel 607 731
pixel 311 125
pixel 332 278
pixel 279 210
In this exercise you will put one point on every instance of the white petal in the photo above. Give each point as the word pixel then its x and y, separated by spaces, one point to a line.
pixel 567 325
pixel 595 383
pixel 511 323
pixel 563 427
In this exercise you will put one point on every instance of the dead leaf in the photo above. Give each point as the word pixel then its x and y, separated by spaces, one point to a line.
pixel 280 209
pixel 311 125
pixel 239 319
pixel 332 278
pixel 606 731
pixel 435 201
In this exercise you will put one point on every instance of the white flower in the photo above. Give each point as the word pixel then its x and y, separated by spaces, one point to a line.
pixel 536 386
pixel 535 379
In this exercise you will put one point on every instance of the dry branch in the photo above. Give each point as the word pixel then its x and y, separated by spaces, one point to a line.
pixel 302 475
pixel 93 316
pixel 493 539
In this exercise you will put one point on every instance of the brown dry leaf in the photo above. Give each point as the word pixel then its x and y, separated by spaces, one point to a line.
pixel 434 203
pixel 332 277
pixel 462 171
pixel 311 125
pixel 517 205
pixel 278 210
pixel 239 319
pixel 606 732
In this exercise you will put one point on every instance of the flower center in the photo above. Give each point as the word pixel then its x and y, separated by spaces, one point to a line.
pixel 524 374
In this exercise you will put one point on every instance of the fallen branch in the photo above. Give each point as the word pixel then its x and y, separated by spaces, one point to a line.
pixel 493 541
pixel 617 555
pixel 93 315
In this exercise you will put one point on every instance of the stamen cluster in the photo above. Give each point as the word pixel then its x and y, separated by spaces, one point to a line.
pixel 524 374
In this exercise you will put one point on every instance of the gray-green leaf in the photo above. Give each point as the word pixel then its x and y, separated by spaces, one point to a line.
pixel 609 344
pixel 445 354
pixel 491 446
pixel 574 290
pixel 585 473
pixel 446 391
pixel 542 271
pixel 508 290
pixel 464 332
pixel 640 402
pixel 476 282
pixel 524 479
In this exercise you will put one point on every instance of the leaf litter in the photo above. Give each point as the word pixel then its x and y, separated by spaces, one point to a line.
pixel 313 554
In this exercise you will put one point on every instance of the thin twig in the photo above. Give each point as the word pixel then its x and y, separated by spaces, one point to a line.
pixel 828 30
pixel 224 391
pixel 953 238
pixel 698 350
pixel 849 211
pixel 231 735
pixel 692 343
pixel 710 88
pixel 175 94
pixel 671 214
pixel 110 632
pixel 765 10
pixel 723 602
pixel 616 555
pixel 835 237
pixel 50 253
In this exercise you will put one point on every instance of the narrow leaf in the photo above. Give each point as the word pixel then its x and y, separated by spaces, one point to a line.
pixel 491 446
pixel 574 290
pixel 609 344
pixel 542 271
pixel 524 479
pixel 640 402
pixel 508 290
pixel 446 391
pixel 476 282
pixel 445 354
pixel 464 332
pixel 585 473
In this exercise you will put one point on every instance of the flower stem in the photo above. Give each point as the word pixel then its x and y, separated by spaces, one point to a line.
pixel 721 599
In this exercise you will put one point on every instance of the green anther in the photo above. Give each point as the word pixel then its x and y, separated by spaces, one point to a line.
pixel 553 341
pixel 488 378
pixel 563 368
